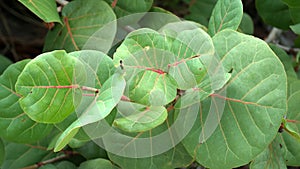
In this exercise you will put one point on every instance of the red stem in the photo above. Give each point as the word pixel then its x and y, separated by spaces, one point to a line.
pixel 66 21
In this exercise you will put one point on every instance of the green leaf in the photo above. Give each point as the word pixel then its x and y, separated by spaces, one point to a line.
pixel 296 28
pixel 176 157
pixel 247 25
pixel 45 86
pixel 15 125
pixel 91 151
pixel 227 14
pixel 274 12
pixel 2 152
pixel 290 144
pixel 44 9
pixel 292 3
pixel 184 55
pixel 110 94
pixel 98 163
pixel 270 158
pixel 141 119
pixel 290 136
pixel 255 102
pixel 21 155
pixel 285 59
pixel 295 14
pixel 151 88
pixel 291 149
pixel 81 19
pixel 293 86
pixel 200 11
pixel 4 63
pixel 127 7
pixel 65 165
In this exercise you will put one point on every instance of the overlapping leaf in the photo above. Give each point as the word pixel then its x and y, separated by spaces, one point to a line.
pixel 291 143
pixel 126 7
pixel 81 19
pixel 110 94
pixel 200 11
pixel 44 9
pixel 274 12
pixel 227 14
pixel 139 118
pixel 175 157
pixel 20 155
pixel 95 73
pixel 255 103
pixel 46 85
pixel 98 163
pixel 286 61
pixel 270 158
pixel 15 125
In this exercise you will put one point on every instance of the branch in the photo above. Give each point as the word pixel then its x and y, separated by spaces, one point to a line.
pixel 52 160
pixel 273 35
pixel 62 2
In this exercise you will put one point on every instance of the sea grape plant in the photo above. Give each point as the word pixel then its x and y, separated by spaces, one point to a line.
pixel 122 87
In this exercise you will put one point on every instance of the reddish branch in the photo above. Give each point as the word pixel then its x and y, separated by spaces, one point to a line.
pixel 114 3
pixel 159 71
pixel 231 99
pixel 182 61
pixel 66 21
pixel 67 154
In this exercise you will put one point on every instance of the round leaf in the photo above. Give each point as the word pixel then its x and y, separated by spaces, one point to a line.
pixel 81 19
pixel 142 119
pixel 15 125
pixel 255 102
pixel 45 86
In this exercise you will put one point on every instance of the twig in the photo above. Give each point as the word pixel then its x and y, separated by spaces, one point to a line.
pixel 52 160
pixel 273 35
pixel 288 49
pixel 62 2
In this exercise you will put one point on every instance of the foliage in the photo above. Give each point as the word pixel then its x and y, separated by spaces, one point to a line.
pixel 152 91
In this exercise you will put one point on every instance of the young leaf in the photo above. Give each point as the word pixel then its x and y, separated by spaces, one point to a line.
pixel 110 94
pixel 44 9
pixel 46 85
pixel 255 102
pixel 15 125
pixel 151 88
pixel 81 19
pixel 227 14
pixel 141 119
